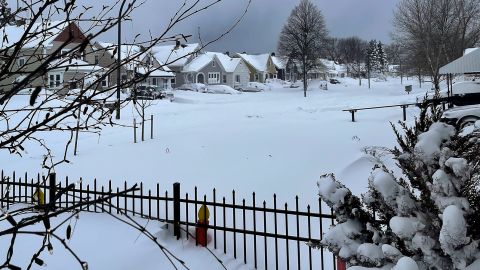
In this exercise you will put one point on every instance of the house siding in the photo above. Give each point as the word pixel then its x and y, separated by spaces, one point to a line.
pixel 243 71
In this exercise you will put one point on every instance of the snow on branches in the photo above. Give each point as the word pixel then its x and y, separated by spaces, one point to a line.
pixel 426 218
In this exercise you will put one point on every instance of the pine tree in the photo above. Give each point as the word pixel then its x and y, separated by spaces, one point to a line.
pixel 382 58
pixel 372 56
pixel 427 217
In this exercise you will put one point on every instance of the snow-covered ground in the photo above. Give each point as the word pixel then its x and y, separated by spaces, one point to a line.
pixel 268 142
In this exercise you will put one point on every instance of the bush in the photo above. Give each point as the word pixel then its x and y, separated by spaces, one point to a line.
pixel 428 216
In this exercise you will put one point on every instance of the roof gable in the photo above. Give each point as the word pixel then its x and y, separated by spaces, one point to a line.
pixel 71 33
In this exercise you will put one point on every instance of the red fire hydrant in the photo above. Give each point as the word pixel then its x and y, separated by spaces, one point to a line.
pixel 341 265
pixel 201 228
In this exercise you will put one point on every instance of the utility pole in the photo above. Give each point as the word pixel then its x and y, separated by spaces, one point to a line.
pixel 119 61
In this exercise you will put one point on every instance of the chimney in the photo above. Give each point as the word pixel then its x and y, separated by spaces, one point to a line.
pixel 227 53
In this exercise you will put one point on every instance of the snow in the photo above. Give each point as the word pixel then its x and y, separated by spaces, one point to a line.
pixel 198 87
pixel 370 253
pixel 267 142
pixel 428 144
pixel 279 62
pixel 106 243
pixel 259 62
pixel 174 57
pixel 229 64
pixel 221 89
pixel 405 227
pixel 155 72
pixel 454 228
pixel 406 263
pixel 73 65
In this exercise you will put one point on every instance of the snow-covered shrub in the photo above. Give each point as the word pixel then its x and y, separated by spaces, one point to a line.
pixel 426 217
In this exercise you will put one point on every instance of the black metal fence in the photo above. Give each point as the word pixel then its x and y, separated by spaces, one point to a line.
pixel 265 235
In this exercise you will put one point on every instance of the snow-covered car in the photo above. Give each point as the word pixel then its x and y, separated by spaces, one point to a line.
pixel 221 89
pixel 461 116
pixel 164 93
pixel 254 87
pixel 463 93
pixel 197 87
pixel 334 81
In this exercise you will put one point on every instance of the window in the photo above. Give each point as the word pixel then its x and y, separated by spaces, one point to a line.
pixel 165 84
pixel 213 77
pixel 224 78
pixel 237 78
pixel 213 63
pixel 21 62
pixel 105 82
pixel 55 80
pixel 97 59
pixel 154 81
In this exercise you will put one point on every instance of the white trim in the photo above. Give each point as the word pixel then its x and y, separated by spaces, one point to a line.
pixel 57 80
pixel 214 78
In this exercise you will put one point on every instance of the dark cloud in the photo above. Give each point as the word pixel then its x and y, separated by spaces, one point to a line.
pixel 259 29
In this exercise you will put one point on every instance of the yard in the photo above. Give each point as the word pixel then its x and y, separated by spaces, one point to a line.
pixel 268 142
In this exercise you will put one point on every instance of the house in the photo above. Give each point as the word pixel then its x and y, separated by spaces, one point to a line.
pixel 74 73
pixel 52 37
pixel 216 68
pixel 261 66
pixel 294 71
pixel 176 58
pixel 137 62
pixel 280 65
pixel 333 69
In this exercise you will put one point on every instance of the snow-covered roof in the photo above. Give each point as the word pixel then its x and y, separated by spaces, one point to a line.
pixel 168 54
pixel 126 51
pixel 229 64
pixel 11 34
pixel 467 64
pixel 279 62
pixel 154 72
pixel 73 65
pixel 469 50
pixel 259 61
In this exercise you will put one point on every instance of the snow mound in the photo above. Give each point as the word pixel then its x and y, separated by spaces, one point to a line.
pixel 428 144
pixel 221 89
pixel 406 263
pixel 405 227
pixel 197 87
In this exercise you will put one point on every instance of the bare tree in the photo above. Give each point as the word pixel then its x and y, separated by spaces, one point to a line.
pixel 33 49
pixel 438 31
pixel 332 50
pixel 353 54
pixel 302 37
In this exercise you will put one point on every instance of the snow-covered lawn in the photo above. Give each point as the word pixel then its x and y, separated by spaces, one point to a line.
pixel 267 142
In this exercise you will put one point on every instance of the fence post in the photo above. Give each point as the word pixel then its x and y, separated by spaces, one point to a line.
pixel 404 107
pixel 176 210
pixel 151 127
pixel 53 189
pixel 134 130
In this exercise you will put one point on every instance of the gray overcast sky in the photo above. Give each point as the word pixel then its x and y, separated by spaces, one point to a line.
pixel 258 32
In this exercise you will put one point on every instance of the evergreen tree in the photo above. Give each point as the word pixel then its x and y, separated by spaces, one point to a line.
pixel 372 60
pixel 382 58
pixel 426 217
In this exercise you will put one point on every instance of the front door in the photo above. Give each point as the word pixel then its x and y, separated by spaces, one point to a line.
pixel 200 78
